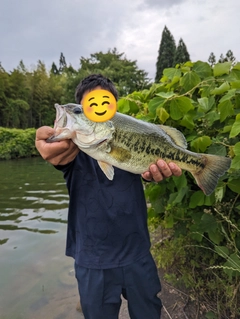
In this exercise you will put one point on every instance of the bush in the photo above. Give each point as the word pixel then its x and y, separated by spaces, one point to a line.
pixel 17 143
pixel 204 250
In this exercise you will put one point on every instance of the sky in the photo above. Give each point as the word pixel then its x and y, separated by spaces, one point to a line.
pixel 32 30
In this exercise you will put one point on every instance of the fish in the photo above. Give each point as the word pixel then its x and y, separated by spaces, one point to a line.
pixel 133 145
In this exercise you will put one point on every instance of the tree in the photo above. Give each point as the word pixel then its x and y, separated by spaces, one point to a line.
pixel 125 73
pixel 229 57
pixel 62 63
pixel 212 59
pixel 166 53
pixel 181 54
pixel 54 70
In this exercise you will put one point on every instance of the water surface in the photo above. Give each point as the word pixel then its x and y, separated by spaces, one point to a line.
pixel 36 278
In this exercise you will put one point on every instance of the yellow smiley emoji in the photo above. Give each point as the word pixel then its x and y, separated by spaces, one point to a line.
pixel 99 105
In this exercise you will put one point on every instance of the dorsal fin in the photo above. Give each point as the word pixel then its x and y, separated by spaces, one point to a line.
pixel 177 137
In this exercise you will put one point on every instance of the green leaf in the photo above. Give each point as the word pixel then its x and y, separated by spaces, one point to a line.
pixel 179 107
pixel 234 185
pixel 236 66
pixel 235 84
pixel 180 194
pixel 202 69
pixel 190 80
pixel 197 199
pixel 221 89
pixel 222 68
pixel 187 121
pixel 166 95
pixel 231 93
pixel 222 251
pixel 236 127
pixel 236 149
pixel 168 221
pixel 208 223
pixel 226 109
pixel 205 104
pixel 236 162
pixel 215 236
pixel 217 149
pixel 235 74
pixel 180 181
pixel 211 117
pixel 170 73
pixel 162 114
pixel 201 143
pixel 123 106
pixel 155 103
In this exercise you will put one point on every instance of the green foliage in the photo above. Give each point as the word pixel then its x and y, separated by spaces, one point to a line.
pixel 168 54
pixel 27 98
pixel 203 102
pixel 17 143
pixel 181 54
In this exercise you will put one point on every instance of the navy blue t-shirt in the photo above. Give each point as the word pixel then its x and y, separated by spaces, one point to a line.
pixel 107 220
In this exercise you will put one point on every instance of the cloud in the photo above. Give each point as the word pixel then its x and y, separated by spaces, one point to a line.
pixel 31 30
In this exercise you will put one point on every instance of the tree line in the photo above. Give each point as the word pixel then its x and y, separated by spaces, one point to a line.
pixel 27 97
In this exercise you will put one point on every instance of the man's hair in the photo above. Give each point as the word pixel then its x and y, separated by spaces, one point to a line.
pixel 91 82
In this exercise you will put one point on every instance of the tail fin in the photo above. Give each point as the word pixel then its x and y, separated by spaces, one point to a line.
pixel 208 177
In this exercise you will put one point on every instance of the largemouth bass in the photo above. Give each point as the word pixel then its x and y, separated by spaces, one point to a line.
pixel 133 145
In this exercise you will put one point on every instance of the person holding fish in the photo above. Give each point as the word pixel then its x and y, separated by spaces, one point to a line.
pixel 107 231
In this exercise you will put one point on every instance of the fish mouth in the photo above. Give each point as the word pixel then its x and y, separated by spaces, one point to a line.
pixel 100 114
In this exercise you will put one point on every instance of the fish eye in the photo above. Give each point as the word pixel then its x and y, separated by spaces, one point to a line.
pixel 77 110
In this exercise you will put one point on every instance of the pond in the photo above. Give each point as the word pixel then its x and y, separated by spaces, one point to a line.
pixel 36 278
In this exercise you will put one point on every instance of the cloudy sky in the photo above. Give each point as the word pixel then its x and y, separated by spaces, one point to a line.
pixel 34 30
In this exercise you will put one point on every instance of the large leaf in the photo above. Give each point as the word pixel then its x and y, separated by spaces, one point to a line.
pixel 190 80
pixel 201 143
pixel 202 69
pixel 162 114
pixel 205 104
pixel 221 89
pixel 234 185
pixel 155 103
pixel 217 149
pixel 197 199
pixel 180 106
pixel 123 106
pixel 226 109
pixel 170 73
pixel 222 68
pixel 236 127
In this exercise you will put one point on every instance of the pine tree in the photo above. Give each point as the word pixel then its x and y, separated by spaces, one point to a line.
pixel 212 59
pixel 222 59
pixel 54 69
pixel 230 57
pixel 181 54
pixel 166 53
pixel 62 63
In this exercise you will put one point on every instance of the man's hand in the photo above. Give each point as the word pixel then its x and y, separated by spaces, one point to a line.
pixel 57 153
pixel 161 170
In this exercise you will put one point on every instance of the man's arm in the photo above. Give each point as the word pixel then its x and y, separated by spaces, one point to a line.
pixel 57 153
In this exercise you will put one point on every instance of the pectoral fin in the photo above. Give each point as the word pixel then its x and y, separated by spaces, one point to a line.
pixel 107 169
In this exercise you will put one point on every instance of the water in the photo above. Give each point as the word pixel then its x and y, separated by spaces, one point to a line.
pixel 36 278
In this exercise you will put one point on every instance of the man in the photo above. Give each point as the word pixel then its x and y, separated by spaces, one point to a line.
pixel 107 226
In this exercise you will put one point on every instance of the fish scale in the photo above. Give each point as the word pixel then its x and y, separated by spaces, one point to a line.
pixel 133 145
